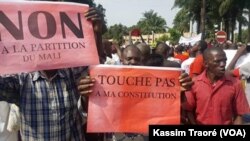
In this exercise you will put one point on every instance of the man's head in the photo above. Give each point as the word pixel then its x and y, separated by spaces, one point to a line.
pixel 215 62
pixel 107 45
pixel 145 50
pixel 162 49
pixel 131 55
pixel 179 49
pixel 155 60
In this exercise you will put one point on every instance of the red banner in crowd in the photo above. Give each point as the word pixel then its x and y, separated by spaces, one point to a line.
pixel 129 98
pixel 45 35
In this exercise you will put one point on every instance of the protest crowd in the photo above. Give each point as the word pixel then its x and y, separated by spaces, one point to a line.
pixel 52 104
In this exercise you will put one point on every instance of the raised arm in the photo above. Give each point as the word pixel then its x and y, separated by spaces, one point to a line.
pixel 96 17
pixel 240 52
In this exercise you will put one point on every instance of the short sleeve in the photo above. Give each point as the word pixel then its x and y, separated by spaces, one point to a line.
pixel 189 103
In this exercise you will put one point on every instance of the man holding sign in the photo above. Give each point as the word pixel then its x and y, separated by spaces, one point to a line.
pixel 140 84
pixel 48 99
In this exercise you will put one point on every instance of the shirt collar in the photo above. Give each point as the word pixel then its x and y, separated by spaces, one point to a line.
pixel 203 77
pixel 37 74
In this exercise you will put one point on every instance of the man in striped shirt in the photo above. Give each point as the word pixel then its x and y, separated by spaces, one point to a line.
pixel 48 103
pixel 48 100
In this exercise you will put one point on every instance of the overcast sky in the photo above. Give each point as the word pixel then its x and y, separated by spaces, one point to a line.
pixel 129 12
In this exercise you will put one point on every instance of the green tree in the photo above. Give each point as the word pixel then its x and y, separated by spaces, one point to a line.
pixel 230 10
pixel 174 35
pixel 116 32
pixel 244 38
pixel 192 9
pixel 163 38
pixel 216 11
pixel 152 22
pixel 182 20
pixel 247 3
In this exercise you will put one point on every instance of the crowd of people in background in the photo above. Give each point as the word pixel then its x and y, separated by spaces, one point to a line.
pixel 212 92
pixel 192 61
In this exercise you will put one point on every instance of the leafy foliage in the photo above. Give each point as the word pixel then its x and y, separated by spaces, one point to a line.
pixel 174 35
pixel 217 11
pixel 116 32
pixel 181 21
pixel 152 22
pixel 163 38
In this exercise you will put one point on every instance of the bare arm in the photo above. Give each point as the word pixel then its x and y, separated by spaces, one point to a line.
pixel 119 50
pixel 239 53
pixel 97 18
pixel 238 120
